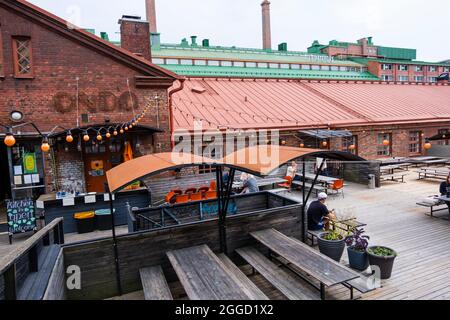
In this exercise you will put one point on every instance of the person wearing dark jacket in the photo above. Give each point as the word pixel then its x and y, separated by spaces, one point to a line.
pixel 444 189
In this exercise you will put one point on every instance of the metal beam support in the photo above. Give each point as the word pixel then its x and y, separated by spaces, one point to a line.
pixel 116 251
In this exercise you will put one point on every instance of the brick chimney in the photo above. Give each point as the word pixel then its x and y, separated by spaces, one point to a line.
pixel 267 38
pixel 135 36
pixel 151 15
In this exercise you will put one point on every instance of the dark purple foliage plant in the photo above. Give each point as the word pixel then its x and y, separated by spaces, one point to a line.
pixel 357 240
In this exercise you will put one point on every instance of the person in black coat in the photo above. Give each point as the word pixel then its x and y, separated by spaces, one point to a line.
pixel 444 189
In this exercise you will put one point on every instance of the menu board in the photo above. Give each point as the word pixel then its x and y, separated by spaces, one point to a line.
pixel 21 216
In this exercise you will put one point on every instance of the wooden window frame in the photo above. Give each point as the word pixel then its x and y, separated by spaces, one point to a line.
pixel 17 74
pixel 417 143
pixel 380 145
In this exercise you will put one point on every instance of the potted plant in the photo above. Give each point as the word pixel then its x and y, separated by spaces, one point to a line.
pixel 332 244
pixel 357 244
pixel 383 257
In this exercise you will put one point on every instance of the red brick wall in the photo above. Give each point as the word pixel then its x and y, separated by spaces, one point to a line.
pixel 135 37
pixel 49 99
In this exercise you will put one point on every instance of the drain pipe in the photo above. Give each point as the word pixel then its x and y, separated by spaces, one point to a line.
pixel 171 93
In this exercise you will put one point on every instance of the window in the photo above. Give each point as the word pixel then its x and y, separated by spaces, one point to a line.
pixel 418 68
pixel 214 63
pixel 334 68
pixel 200 62
pixel 226 63
pixel 446 69
pixel 274 66
pixel 306 67
pixel 315 67
pixel 239 64
pixel 284 66
pixel 23 64
pixel 418 78
pixel 415 145
pixel 432 69
pixel 402 67
pixel 158 61
pixel 350 141
pixel 383 150
pixel 403 78
pixel 172 61
pixel 443 132
pixel 250 64
pixel 325 68
pixel 387 77
pixel 432 79
pixel 263 65
pixel 295 66
pixel 186 62
pixel 343 68
pixel 386 66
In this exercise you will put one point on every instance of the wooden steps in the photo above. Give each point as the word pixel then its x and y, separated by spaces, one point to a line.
pixel 36 283
pixel 291 287
pixel 154 284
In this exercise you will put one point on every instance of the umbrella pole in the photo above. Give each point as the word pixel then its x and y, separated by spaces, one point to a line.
pixel 219 206
pixel 116 251
pixel 303 202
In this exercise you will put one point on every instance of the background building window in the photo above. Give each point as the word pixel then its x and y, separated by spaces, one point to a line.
pixel 432 79
pixel 418 78
pixel 387 77
pixel 262 65
pixel 226 64
pixel 403 78
pixel 250 64
pixel 23 64
pixel 214 63
pixel 350 141
pixel 172 61
pixel 402 67
pixel 418 68
pixel 239 64
pixel 415 145
pixel 386 66
pixel 383 150
pixel 158 61
pixel 186 62
pixel 446 133
pixel 432 69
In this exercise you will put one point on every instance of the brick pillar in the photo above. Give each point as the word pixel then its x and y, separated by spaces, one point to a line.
pixel 267 37
pixel 135 36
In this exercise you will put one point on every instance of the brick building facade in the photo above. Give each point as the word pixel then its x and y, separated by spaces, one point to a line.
pixel 58 76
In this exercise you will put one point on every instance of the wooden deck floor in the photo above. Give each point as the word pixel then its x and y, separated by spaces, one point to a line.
pixel 394 220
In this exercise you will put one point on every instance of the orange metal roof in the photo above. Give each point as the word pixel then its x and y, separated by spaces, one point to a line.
pixel 261 103
pixel 259 160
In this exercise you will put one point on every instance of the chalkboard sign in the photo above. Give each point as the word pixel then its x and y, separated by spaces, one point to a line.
pixel 21 216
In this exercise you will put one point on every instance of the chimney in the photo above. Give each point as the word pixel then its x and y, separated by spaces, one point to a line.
pixel 267 38
pixel 151 15
pixel 135 36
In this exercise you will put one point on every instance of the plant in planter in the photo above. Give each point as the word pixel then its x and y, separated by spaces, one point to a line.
pixel 383 257
pixel 332 244
pixel 357 244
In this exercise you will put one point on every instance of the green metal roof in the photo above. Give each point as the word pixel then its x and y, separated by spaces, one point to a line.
pixel 236 72
pixel 397 53
pixel 236 54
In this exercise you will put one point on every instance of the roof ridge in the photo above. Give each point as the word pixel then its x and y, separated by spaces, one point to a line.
pixel 334 102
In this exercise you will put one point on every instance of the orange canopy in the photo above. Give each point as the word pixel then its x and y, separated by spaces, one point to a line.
pixel 130 171
pixel 258 160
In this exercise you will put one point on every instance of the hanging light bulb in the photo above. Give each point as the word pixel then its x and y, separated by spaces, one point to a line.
pixel 9 140
pixel 99 137
pixel 351 147
pixel 69 138
pixel 115 133
pixel 45 147
pixel 386 143
pixel 302 145
pixel 427 145
pixel 325 144
pixel 126 128
pixel 86 137
pixel 121 131
pixel 108 135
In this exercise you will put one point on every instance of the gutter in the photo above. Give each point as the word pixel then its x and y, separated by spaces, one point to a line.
pixel 171 116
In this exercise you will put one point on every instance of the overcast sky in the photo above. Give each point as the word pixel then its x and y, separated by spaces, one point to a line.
pixel 420 24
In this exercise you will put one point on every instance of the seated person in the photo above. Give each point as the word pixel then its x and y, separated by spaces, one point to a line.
pixel 250 184
pixel 444 189
pixel 318 215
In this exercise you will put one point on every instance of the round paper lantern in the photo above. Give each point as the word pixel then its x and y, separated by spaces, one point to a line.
pixel 10 140
pixel 45 147
pixel 386 143
pixel 86 138
pixel 302 145
pixel 427 146
pixel 69 138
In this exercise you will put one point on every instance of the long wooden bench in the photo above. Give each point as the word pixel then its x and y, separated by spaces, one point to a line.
pixel 257 293
pixel 292 288
pixel 154 284
pixel 432 173
pixel 317 188
pixel 433 206
pixel 396 177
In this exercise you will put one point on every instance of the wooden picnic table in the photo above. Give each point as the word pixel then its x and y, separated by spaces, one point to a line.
pixel 350 224
pixel 261 182
pixel 205 277
pixel 320 178
pixel 325 270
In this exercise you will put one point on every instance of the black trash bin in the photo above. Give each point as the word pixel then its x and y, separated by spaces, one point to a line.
pixel 85 221
pixel 103 219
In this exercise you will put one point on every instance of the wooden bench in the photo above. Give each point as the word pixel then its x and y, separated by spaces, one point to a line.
pixel 257 293
pixel 36 283
pixel 360 285
pixel 432 207
pixel 155 284
pixel 396 177
pixel 432 173
pixel 289 286
pixel 317 188
pixel 311 235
